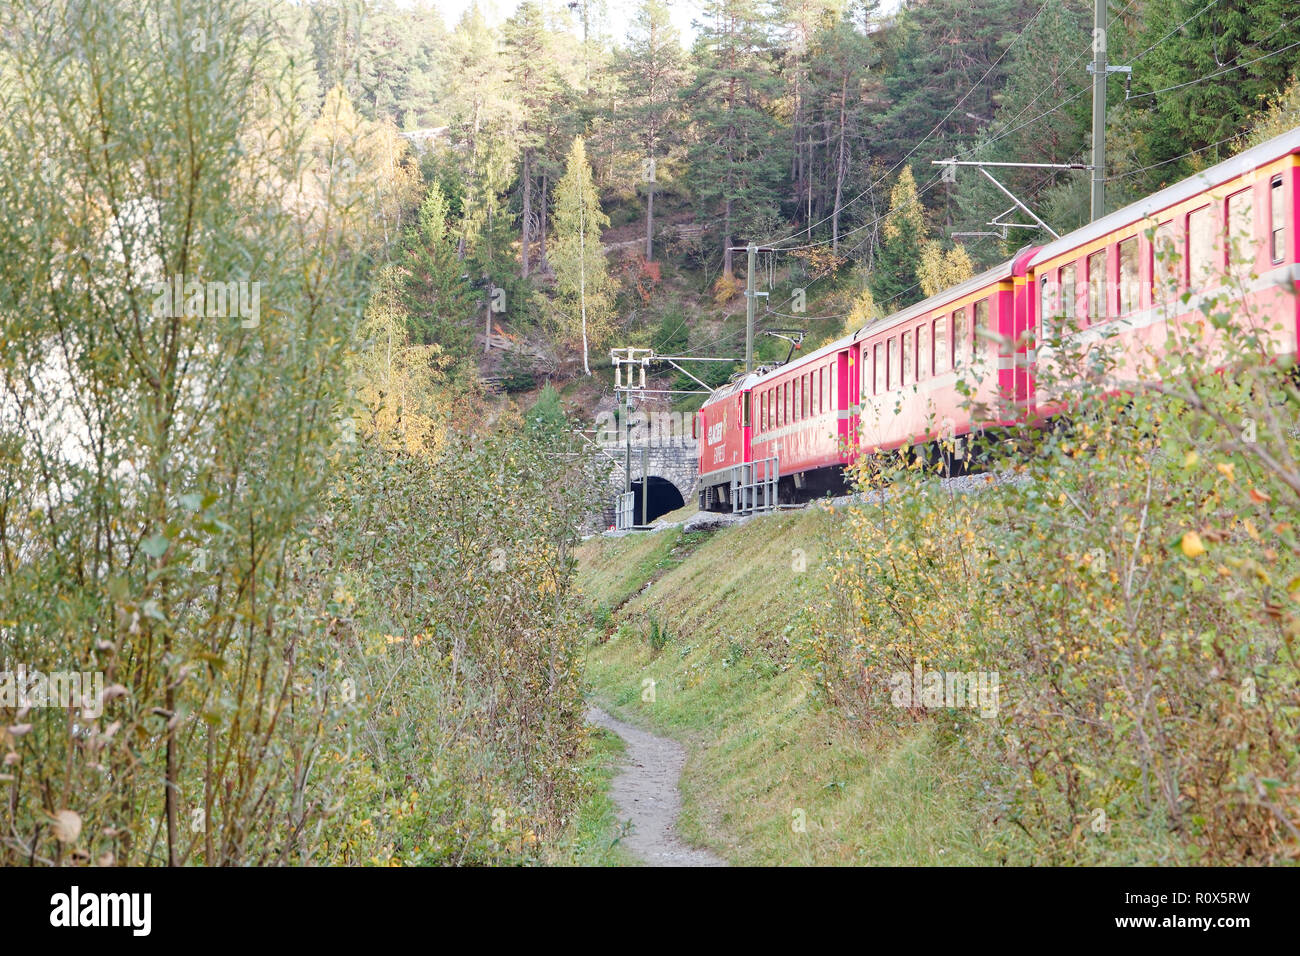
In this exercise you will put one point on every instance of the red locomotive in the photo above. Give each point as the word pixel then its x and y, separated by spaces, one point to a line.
pixel 1129 279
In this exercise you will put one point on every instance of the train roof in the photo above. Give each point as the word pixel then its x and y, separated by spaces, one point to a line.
pixel 1206 179
pixel 753 378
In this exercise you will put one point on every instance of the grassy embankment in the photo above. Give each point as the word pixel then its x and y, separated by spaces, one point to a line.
pixel 727 610
pixel 594 835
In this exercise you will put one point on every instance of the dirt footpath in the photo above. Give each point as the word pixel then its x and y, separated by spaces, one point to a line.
pixel 646 794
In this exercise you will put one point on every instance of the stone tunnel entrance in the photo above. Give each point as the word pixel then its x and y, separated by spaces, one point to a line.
pixel 663 498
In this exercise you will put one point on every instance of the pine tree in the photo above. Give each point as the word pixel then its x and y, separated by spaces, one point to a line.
pixel 534 77
pixel 738 155
pixel 894 283
pixel 940 53
pixel 437 298
pixel 1176 110
pixel 653 71
pixel 484 119
pixel 843 94
pixel 584 289
pixel 1043 116
pixel 801 21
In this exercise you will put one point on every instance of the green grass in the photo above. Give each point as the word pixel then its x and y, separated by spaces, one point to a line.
pixel 596 839
pixel 764 755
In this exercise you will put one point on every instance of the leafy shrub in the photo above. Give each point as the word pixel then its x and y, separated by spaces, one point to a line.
pixel 1134 580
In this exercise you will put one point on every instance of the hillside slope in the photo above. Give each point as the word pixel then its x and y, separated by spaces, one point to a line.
pixel 773 777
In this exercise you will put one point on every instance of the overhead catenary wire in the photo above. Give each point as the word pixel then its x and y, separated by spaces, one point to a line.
pixel 937 126
pixel 1009 128
pixel 1218 73
pixel 1212 3
pixel 1166 162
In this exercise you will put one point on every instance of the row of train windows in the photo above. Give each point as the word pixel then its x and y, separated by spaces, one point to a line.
pixel 943 343
pixel 1201 233
pixel 797 399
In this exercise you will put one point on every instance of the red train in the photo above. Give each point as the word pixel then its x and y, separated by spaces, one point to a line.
pixel 786 434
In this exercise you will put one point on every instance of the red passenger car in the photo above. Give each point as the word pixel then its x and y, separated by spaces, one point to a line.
pixel 1117 286
pixel 977 356
pixel 915 361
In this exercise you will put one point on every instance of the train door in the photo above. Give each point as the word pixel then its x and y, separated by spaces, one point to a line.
pixel 846 406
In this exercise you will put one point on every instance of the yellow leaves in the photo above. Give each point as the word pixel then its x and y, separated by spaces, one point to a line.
pixel 1228 470
pixel 1191 460
pixel 1191 545
pixel 1260 497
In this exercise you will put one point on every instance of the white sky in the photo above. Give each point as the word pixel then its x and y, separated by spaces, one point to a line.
pixel 620 14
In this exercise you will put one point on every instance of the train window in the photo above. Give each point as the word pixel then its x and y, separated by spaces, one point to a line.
pixel 1097 286
pixel 1047 294
pixel 960 338
pixel 1070 296
pixel 983 343
pixel 1164 265
pixel 1202 236
pixel 924 354
pixel 744 409
pixel 909 359
pixel 894 364
pixel 805 404
pixel 878 368
pixel 941 353
pixel 1241 228
pixel 1277 222
pixel 1128 276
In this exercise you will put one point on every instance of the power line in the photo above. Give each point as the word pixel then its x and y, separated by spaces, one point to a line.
pixel 921 142
pixel 1174 30
pixel 1210 76
pixel 1166 162
pixel 1007 128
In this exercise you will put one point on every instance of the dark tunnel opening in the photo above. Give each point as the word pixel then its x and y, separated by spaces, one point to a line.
pixel 663 498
